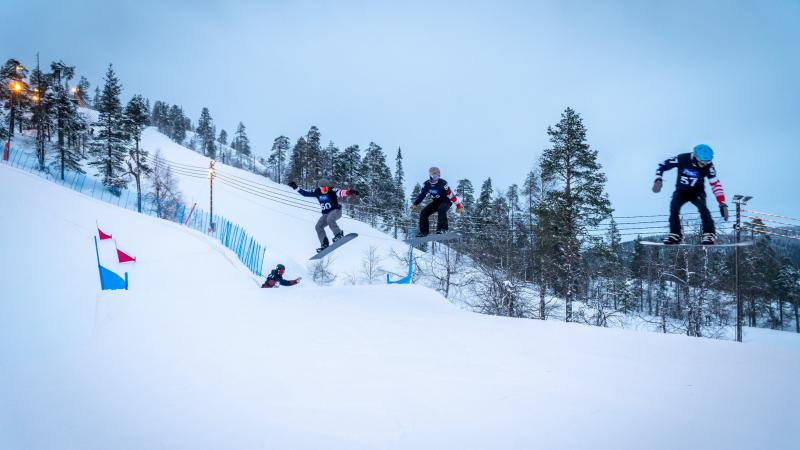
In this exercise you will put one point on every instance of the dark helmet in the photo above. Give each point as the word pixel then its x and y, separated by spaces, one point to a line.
pixel 324 182
pixel 281 267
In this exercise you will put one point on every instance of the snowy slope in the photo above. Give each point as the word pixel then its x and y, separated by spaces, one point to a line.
pixel 286 231
pixel 196 357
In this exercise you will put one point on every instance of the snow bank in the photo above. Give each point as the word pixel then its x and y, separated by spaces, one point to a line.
pixel 195 356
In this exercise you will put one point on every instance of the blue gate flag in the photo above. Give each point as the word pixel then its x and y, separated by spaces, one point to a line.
pixel 108 279
pixel 406 279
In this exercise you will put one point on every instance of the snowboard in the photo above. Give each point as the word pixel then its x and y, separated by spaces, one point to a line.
pixel 661 244
pixel 347 238
pixel 435 238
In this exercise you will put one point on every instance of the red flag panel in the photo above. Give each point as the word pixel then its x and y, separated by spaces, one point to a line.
pixel 103 236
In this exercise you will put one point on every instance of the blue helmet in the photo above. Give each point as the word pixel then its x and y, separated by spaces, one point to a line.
pixel 703 153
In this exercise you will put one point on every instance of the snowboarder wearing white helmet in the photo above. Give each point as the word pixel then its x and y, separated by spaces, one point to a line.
pixel 693 169
pixel 328 198
pixel 442 197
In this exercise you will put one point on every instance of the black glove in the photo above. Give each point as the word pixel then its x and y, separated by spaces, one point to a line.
pixel 657 185
pixel 723 210
pixel 354 192
pixel 293 185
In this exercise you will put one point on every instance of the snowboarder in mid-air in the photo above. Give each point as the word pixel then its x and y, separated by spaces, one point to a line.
pixel 276 278
pixel 693 168
pixel 328 198
pixel 442 197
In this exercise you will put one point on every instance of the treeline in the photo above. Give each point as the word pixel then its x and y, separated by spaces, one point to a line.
pixel 382 202
pixel 171 121
pixel 44 102
pixel 554 237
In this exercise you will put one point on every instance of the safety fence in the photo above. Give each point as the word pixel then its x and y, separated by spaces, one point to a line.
pixel 231 235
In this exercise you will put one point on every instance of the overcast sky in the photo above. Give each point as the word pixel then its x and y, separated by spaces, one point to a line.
pixel 467 86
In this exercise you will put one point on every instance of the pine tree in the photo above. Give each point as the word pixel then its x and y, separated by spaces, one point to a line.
pixel 376 185
pixel 42 113
pixel 516 233
pixel 297 167
pixel 109 146
pixel 329 154
pixel 159 116
pixel 136 119
pixel 12 72
pixel 483 207
pixel 277 157
pixel 399 194
pixel 66 119
pixel 223 137
pixel 314 159
pixel 96 98
pixel 465 222
pixel 176 124
pixel 345 166
pixel 206 134
pixel 577 201
pixel 82 92
pixel 241 143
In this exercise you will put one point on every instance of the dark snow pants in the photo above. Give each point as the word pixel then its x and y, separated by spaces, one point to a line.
pixel 441 207
pixel 698 199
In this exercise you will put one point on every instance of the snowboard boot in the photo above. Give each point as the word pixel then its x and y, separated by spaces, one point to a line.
pixel 708 239
pixel 673 239
pixel 325 245
pixel 338 236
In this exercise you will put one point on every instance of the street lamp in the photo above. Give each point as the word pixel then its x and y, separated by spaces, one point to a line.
pixel 15 87
pixel 211 174
pixel 738 200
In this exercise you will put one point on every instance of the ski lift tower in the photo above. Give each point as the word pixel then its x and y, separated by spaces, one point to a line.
pixel 738 200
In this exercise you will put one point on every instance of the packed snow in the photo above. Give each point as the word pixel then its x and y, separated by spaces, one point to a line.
pixel 196 356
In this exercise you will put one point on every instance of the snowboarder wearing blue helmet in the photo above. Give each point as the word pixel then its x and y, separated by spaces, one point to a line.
pixel 693 169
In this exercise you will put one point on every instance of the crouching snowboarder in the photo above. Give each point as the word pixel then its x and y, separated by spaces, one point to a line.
pixel 442 197
pixel 328 198
pixel 693 169
pixel 276 277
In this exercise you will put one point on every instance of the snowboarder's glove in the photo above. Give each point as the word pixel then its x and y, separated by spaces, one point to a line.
pixel 413 207
pixel 657 185
pixel 459 209
pixel 354 192
pixel 723 210
pixel 293 185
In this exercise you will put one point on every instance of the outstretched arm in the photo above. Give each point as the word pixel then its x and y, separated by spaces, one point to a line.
pixel 285 282
pixel 716 185
pixel 452 196
pixel 666 165
pixel 343 193
pixel 300 190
